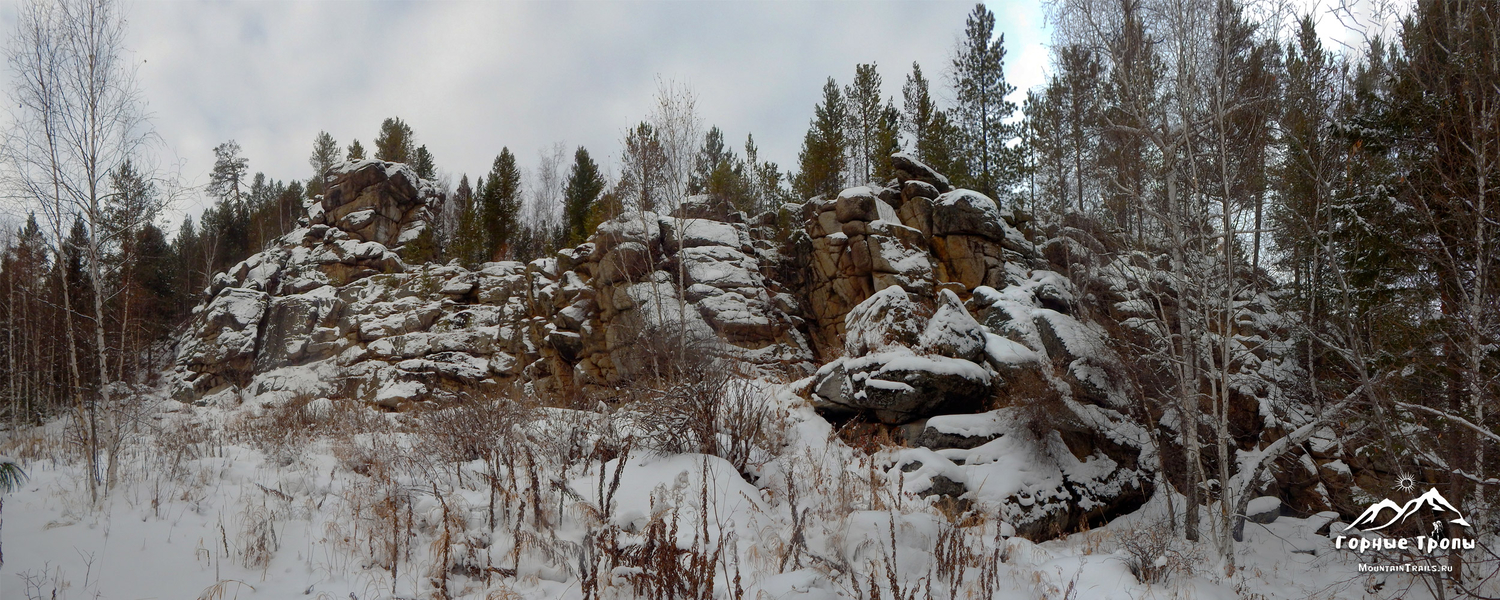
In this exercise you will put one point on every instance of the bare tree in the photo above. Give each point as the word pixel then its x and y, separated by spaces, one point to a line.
pixel 678 131
pixel 78 117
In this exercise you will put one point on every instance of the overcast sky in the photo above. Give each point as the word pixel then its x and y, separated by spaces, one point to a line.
pixel 472 77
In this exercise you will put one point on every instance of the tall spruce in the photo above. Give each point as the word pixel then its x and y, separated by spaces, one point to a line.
pixel 500 205
pixel 585 184
pixel 642 182
pixel 934 138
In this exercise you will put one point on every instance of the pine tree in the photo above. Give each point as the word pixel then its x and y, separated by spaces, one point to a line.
pixel 423 163
pixel 324 154
pixel 982 110
pixel 500 204
pixel 585 183
pixel 228 174
pixel 866 119
pixel 189 254
pixel 934 137
pixel 765 179
pixel 821 163
pixel 917 110
pixel 1305 175
pixel 356 151
pixel 643 169
pixel 710 156
pixel 395 142
pixel 467 243
pixel 156 267
pixel 887 142
pixel 719 173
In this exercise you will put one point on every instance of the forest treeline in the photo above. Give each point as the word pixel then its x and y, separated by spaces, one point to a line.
pixel 1212 154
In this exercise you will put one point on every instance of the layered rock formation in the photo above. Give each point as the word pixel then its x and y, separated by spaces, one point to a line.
pixel 897 303
pixel 336 291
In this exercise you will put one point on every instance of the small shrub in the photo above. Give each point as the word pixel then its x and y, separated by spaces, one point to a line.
pixel 1155 554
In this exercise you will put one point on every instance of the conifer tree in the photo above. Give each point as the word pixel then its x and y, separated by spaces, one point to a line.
pixel 356 151
pixel 865 123
pixel 500 204
pixel 325 154
pixel 887 142
pixel 917 110
pixel 585 183
pixel 467 242
pixel 982 109
pixel 643 170
pixel 423 163
pixel 765 179
pixel 395 142
pixel 821 163
pixel 710 156
pixel 935 139
pixel 228 174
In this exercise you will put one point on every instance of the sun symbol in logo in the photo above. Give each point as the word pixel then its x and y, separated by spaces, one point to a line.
pixel 1405 482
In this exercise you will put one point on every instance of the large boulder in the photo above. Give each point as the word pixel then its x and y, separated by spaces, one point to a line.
pixel 222 340
pixel 376 201
pixel 967 212
pixel 909 168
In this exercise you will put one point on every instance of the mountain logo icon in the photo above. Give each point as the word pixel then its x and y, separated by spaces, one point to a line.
pixel 1432 500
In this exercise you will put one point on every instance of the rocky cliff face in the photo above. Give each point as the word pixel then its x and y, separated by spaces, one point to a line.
pixel 903 304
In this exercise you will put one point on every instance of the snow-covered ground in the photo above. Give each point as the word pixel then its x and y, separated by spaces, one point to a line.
pixel 325 499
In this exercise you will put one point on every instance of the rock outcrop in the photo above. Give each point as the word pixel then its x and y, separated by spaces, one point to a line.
pixel 899 303
pixel 336 291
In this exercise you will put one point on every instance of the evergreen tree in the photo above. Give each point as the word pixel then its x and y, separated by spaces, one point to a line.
pixel 467 243
pixel 918 111
pixel 866 119
pixel 356 151
pixel 325 154
pixel 156 269
pixel 228 174
pixel 1305 175
pixel 74 251
pixel 821 162
pixel 982 109
pixel 719 173
pixel 935 138
pixel 765 179
pixel 585 183
pixel 643 170
pixel 189 254
pixel 395 142
pixel 423 164
pixel 423 249
pixel 500 204
pixel 887 142
pixel 710 156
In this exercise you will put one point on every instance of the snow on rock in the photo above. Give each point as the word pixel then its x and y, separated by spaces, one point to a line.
pixel 694 233
pixel 888 317
pixel 952 332
pixel 1264 509
pixel 967 212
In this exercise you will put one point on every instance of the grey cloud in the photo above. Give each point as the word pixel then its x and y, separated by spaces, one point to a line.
pixel 471 77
